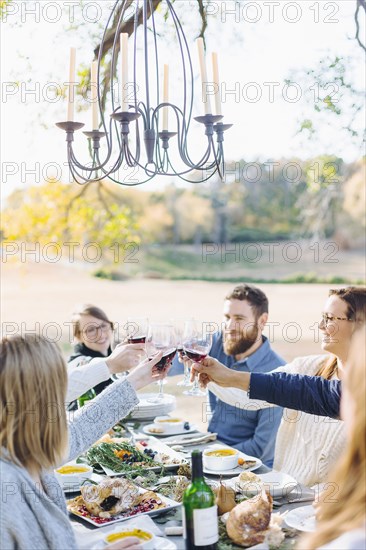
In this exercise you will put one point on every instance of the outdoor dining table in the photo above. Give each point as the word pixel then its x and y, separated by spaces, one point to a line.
pixel 87 535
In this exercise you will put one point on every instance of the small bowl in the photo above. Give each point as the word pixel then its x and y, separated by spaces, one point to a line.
pixel 170 424
pixel 73 475
pixel 146 537
pixel 220 458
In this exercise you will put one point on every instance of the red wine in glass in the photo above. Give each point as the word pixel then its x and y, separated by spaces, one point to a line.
pixel 136 340
pixel 167 357
pixel 195 355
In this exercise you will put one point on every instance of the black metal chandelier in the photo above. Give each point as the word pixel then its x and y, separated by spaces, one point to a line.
pixel 134 117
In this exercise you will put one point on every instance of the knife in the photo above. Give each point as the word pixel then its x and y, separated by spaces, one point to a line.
pixel 189 440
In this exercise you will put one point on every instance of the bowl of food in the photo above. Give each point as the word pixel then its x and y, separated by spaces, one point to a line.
pixel 169 424
pixel 73 475
pixel 220 458
pixel 146 538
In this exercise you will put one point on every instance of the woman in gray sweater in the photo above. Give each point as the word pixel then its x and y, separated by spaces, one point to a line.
pixel 36 437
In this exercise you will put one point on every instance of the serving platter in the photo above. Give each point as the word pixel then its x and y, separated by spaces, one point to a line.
pixel 176 458
pixel 84 514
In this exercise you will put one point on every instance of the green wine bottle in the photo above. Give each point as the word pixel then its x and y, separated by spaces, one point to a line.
pixel 200 520
pixel 87 396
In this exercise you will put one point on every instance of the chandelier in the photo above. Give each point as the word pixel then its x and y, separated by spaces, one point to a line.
pixel 140 110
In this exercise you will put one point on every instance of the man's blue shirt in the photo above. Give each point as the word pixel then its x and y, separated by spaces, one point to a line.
pixel 250 431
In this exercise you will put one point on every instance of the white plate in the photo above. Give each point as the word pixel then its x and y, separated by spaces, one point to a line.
pixel 302 519
pixel 238 469
pixel 160 544
pixel 147 409
pixel 146 430
pixel 277 483
pixel 170 505
pixel 160 447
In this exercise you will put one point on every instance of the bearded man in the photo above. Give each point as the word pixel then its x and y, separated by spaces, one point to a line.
pixel 242 346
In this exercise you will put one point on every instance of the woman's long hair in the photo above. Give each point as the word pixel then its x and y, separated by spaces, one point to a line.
pixel 345 510
pixel 33 383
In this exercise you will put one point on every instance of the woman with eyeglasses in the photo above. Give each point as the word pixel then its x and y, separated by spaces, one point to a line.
pixel 306 444
pixel 93 361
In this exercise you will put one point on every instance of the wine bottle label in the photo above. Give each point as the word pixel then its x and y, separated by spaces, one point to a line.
pixel 206 527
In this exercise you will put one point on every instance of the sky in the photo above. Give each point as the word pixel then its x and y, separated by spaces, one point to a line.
pixel 260 44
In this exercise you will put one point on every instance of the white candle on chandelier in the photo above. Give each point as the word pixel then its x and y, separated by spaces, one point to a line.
pixel 166 98
pixel 124 69
pixel 94 95
pixel 202 59
pixel 71 86
pixel 216 80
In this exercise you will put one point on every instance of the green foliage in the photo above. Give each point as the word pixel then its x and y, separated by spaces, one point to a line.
pixel 332 98
pixel 111 275
pixel 54 212
pixel 3 6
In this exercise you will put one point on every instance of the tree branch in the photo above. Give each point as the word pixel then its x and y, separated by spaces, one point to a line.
pixel 127 27
pixel 102 200
pixel 203 14
pixel 360 4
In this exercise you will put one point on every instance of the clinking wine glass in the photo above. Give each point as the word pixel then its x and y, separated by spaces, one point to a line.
pixel 181 326
pixel 161 337
pixel 197 344
pixel 136 329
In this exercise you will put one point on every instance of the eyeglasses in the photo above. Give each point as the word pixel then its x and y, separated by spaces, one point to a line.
pixel 326 318
pixel 91 331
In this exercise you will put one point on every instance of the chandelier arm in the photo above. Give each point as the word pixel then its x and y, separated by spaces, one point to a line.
pixel 180 175
pixel 84 167
pixel 100 55
pixel 79 178
pixel 73 170
pixel 180 33
pixel 129 184
pixel 156 57
pixel 191 165
pixel 146 58
pixel 135 25
pixel 115 50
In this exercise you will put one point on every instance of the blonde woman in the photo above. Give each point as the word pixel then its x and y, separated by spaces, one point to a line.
pixel 35 438
pixel 320 439
pixel 342 518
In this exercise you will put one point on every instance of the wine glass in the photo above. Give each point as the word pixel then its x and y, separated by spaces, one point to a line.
pixel 161 337
pixel 197 343
pixel 136 329
pixel 180 328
